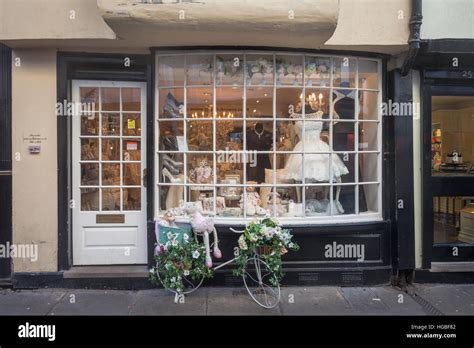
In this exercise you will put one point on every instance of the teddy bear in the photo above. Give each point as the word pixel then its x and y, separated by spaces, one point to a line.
pixel 254 202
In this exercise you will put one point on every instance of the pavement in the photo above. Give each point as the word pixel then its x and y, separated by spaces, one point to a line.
pixel 433 299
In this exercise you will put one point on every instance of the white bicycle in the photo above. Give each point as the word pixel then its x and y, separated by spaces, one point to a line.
pixel 258 279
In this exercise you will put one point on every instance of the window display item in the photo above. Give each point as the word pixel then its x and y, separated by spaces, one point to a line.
pixel 253 202
pixel 259 139
pixel 172 107
pixel 202 227
pixel 316 164
pixel 201 174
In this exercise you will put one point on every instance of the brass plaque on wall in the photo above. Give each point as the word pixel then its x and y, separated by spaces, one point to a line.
pixel 110 218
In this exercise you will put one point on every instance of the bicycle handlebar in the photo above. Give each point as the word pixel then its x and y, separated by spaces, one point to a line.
pixel 236 231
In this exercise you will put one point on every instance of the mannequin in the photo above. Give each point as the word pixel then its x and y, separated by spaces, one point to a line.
pixel 343 140
pixel 259 139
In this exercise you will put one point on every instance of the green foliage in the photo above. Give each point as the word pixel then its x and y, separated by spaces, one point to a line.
pixel 178 261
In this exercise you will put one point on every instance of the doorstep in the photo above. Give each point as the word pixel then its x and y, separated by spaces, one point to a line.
pixel 133 271
pixel 452 267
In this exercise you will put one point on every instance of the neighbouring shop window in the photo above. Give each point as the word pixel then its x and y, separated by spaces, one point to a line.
pixel 290 135
pixel 453 220
pixel 452 139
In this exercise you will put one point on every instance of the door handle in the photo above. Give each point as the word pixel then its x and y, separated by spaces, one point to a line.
pixel 145 177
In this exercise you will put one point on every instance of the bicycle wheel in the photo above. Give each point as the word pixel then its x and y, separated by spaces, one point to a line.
pixel 190 284
pixel 258 281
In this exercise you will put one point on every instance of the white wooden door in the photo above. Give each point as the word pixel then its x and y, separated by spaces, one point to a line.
pixel 108 162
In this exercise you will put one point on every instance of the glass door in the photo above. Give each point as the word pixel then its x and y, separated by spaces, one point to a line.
pixel 449 173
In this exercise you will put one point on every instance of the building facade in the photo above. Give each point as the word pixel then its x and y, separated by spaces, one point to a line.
pixel 121 110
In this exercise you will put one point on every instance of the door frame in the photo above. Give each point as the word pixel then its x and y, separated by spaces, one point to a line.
pixel 5 156
pixel 441 186
pixel 100 67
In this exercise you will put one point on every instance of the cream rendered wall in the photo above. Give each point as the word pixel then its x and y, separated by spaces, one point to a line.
pixel 452 19
pixel 35 176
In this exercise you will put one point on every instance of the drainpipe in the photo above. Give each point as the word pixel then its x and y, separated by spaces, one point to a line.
pixel 415 36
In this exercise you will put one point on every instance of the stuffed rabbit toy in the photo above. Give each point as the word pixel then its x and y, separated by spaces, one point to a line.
pixel 203 226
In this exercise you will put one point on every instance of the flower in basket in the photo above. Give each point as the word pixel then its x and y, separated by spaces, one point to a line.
pixel 267 239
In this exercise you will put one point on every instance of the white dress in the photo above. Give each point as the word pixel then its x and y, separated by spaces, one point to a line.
pixel 316 164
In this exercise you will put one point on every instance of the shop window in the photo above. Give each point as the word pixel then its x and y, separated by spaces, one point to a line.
pixel 452 138
pixel 290 135
pixel 453 220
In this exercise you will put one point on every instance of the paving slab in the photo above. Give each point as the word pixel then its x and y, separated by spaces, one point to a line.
pixel 29 302
pixel 449 299
pixel 322 300
pixel 397 301
pixel 95 302
pixel 161 302
pixel 364 301
pixel 235 301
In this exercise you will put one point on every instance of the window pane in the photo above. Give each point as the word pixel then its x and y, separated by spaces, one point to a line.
pixel 131 99
pixel 346 160
pixel 229 135
pixel 317 201
pixel 199 103
pixel 318 71
pixel 171 103
pixel 89 199
pixel 200 135
pixel 317 101
pixel 229 167
pixel 452 139
pixel 89 149
pixel 259 102
pixel 229 69
pixel 288 102
pixel 90 97
pixel 230 200
pixel 89 174
pixel 259 70
pixel 172 136
pixel 131 198
pixel 368 198
pixel 171 168
pixel 288 201
pixel 199 70
pixel 131 125
pixel 368 134
pixel 171 71
pixel 110 174
pixel 111 199
pixel 289 70
pixel 344 104
pixel 368 106
pixel 344 72
pixel 110 124
pixel 368 164
pixel 344 139
pixel 203 198
pixel 368 74
pixel 344 200
pixel 90 124
pixel 110 99
pixel 200 169
pixel 229 102
pixel 453 220
pixel 132 175
pixel 110 149
pixel 170 196
pixel 287 135
pixel 131 150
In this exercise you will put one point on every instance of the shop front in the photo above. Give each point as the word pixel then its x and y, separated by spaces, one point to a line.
pixel 218 122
